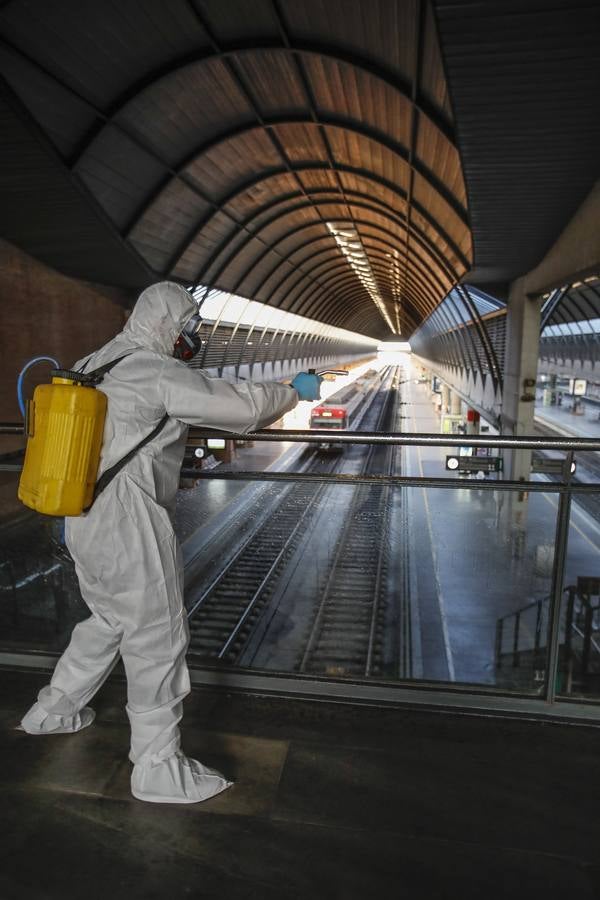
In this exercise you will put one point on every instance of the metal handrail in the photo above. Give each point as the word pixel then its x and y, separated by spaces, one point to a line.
pixel 564 489
pixel 317 435
pixel 540 487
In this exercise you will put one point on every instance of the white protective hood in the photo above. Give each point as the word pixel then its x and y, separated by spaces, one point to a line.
pixel 158 317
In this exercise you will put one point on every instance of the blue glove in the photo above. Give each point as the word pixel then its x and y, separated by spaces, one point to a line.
pixel 307 386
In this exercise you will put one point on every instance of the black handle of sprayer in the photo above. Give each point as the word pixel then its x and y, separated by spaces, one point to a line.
pixel 328 372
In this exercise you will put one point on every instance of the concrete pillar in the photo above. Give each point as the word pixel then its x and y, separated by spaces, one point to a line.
pixel 445 398
pixel 520 372
pixel 455 404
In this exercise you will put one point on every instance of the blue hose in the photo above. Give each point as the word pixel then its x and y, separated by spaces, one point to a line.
pixel 22 373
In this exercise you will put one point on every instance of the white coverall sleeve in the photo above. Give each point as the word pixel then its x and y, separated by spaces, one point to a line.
pixel 196 399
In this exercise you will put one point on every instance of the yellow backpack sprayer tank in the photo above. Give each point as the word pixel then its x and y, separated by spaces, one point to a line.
pixel 64 424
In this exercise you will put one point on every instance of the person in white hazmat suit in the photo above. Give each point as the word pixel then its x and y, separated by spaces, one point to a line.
pixel 126 554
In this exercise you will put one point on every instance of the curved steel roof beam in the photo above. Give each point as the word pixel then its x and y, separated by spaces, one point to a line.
pixel 375 241
pixel 332 303
pixel 415 290
pixel 197 229
pixel 327 121
pixel 379 268
pixel 304 305
pixel 290 233
pixel 373 204
pixel 355 299
pixel 256 45
pixel 297 230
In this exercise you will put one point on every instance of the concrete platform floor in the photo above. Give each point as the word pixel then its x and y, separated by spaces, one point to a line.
pixel 585 424
pixel 330 801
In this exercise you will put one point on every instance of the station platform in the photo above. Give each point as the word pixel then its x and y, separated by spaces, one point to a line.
pixel 329 801
pixel 562 419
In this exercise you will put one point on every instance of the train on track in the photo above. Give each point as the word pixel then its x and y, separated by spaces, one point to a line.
pixel 344 410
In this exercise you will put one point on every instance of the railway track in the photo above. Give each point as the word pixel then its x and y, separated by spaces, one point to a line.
pixel 226 610
pixel 347 633
pixel 588 460
pixel 224 614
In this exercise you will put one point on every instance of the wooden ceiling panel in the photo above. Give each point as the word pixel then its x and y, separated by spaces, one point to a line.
pixel 318 179
pixel 63 116
pixel 169 220
pixel 441 157
pixel 193 254
pixel 102 46
pixel 439 209
pixel 375 191
pixel 302 143
pixel 274 82
pixel 222 144
pixel 433 81
pixel 265 192
pixel 185 109
pixel 232 163
pixel 295 219
pixel 358 152
pixel 379 30
pixel 120 174
pixel 239 20
pixel 341 90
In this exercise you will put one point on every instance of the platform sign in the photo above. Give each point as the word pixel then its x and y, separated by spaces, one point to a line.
pixel 450 424
pixel 473 464
pixel 577 386
pixel 547 465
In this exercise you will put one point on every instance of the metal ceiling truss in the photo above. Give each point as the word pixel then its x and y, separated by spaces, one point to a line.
pixel 392 244
pixel 374 204
pixel 333 263
pixel 235 50
pixel 299 299
pixel 307 304
pixel 349 125
pixel 297 230
pixel 480 326
pixel 415 273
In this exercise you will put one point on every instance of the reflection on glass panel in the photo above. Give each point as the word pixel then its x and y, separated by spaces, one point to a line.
pixel 39 595
pixel 579 659
pixel 348 581
pixel 382 582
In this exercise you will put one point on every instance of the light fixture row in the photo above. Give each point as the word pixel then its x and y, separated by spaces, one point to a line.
pixel 351 246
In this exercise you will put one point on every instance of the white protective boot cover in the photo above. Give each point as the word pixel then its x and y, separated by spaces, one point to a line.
pixel 177 779
pixel 39 721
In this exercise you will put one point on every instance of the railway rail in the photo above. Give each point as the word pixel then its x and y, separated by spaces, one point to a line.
pixel 347 631
pixel 224 613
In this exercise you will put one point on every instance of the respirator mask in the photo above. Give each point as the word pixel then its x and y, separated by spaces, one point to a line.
pixel 188 343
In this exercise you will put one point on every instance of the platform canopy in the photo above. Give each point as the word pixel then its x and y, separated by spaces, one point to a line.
pixel 302 153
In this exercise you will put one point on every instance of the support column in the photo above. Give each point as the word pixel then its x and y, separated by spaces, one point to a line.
pixel 445 398
pixel 520 372
pixel 455 404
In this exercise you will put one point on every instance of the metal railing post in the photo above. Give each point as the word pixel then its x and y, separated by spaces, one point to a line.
pixel 563 519
pixel 516 631
pixel 538 632
pixel 499 629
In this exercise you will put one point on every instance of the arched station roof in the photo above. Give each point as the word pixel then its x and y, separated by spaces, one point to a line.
pixel 298 153
pixel 303 153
